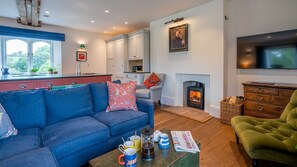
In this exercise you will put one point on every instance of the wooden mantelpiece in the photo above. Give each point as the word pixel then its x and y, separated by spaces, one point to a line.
pixel 266 100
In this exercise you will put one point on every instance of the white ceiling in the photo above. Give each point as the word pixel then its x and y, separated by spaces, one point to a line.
pixel 78 13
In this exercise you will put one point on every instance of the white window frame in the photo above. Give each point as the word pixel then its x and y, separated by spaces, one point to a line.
pixel 30 42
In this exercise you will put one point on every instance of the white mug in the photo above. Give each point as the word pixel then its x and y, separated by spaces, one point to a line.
pixel 157 134
pixel 127 144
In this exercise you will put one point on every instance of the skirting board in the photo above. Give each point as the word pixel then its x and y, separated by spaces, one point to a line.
pixel 213 110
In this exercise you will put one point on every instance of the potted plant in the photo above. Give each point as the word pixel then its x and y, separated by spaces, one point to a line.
pixel 55 71
pixel 34 70
pixel 51 70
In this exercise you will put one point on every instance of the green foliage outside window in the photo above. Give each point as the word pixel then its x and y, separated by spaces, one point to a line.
pixel 18 61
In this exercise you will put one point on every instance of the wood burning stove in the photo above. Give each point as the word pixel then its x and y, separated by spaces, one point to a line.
pixel 195 96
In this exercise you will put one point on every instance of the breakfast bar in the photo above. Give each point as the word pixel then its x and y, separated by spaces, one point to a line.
pixel 32 81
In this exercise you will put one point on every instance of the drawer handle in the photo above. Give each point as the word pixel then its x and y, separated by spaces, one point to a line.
pixel 260 89
pixel 22 86
pixel 260 98
pixel 74 82
pixel 50 84
pixel 260 108
pixel 134 56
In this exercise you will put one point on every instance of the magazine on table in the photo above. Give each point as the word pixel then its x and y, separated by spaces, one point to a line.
pixel 184 142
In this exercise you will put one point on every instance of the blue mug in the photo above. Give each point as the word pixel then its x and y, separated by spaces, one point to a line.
pixel 4 71
pixel 130 158
pixel 164 141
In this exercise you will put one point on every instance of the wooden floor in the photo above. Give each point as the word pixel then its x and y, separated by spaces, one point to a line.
pixel 218 146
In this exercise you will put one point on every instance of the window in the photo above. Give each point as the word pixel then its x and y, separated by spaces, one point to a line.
pixel 23 54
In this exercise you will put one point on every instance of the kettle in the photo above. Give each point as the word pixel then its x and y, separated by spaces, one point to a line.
pixel 4 71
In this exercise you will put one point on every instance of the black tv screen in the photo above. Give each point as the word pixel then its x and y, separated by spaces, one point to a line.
pixel 268 51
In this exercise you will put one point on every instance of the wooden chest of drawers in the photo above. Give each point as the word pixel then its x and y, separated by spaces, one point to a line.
pixel 267 100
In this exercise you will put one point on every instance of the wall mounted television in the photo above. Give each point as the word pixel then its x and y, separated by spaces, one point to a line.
pixel 277 50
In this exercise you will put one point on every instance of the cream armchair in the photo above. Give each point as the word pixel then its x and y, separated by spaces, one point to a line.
pixel 154 93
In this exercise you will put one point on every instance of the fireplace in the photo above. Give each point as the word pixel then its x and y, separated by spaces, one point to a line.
pixel 195 96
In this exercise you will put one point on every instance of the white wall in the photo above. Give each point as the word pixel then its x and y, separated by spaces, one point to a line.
pixel 94 42
pixel 205 55
pixel 249 17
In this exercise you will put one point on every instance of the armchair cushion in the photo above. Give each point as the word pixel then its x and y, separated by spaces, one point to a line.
pixel 143 93
pixel 152 80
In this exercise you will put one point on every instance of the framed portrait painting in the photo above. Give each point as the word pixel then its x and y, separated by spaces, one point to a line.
pixel 178 38
pixel 81 56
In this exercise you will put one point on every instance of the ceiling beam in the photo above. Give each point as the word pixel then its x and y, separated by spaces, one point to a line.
pixel 35 13
pixel 21 4
pixel 29 12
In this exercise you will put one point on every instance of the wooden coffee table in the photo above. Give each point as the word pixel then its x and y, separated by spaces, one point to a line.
pixel 162 158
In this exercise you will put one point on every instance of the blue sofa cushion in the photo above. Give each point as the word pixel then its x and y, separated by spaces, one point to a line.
pixel 68 103
pixel 25 140
pixel 26 109
pixel 122 121
pixel 38 157
pixel 100 95
pixel 67 137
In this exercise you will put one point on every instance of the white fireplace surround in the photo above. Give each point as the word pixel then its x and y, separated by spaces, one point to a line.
pixel 181 78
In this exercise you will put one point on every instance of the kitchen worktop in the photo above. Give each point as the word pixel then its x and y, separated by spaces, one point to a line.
pixel 47 76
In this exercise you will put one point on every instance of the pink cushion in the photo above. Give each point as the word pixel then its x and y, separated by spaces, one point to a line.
pixel 121 96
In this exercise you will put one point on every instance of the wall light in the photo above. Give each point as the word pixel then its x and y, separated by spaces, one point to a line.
pixel 175 20
pixel 82 46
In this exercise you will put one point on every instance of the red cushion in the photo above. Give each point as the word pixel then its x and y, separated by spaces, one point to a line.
pixel 151 81
pixel 121 96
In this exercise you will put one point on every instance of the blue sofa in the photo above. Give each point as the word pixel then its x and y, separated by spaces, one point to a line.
pixel 66 127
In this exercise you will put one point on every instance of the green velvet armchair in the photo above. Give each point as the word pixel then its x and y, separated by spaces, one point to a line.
pixel 269 139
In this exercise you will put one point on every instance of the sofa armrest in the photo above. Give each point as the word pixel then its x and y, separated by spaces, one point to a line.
pixel 147 107
pixel 140 86
pixel 156 87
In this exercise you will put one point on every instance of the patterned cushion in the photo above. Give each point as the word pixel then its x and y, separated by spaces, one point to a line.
pixel 151 81
pixel 121 96
pixel 7 129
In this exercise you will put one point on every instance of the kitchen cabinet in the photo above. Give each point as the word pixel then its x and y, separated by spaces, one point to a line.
pixel 110 50
pixel 120 56
pixel 132 48
pixel 86 80
pixel 24 84
pixel 57 82
pixel 110 66
pixel 134 77
pixel 17 85
pixel 117 56
pixel 136 46
pixel 139 50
